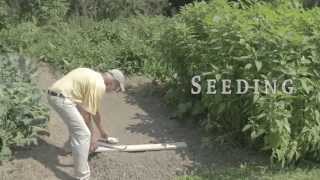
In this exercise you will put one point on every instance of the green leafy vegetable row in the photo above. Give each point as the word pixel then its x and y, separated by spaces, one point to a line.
pixel 22 115
pixel 216 40
pixel 265 41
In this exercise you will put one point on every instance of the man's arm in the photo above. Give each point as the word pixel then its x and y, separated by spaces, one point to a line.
pixel 98 122
pixel 87 118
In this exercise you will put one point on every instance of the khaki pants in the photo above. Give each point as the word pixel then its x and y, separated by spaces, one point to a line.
pixel 79 134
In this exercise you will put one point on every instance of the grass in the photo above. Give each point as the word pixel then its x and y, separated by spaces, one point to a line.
pixel 305 171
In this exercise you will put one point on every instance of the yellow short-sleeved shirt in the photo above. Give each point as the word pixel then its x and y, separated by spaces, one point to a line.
pixel 83 86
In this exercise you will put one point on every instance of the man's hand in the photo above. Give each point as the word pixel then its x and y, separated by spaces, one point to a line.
pixel 93 146
pixel 98 122
pixel 94 141
pixel 94 138
pixel 103 134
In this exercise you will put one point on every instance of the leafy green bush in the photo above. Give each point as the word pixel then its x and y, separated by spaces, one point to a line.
pixel 21 114
pixel 113 9
pixel 3 15
pixel 40 11
pixel 268 42
pixel 216 40
pixel 125 43
pixel 311 3
pixel 176 5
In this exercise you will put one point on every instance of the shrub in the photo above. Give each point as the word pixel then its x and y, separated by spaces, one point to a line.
pixel 127 43
pixel 41 11
pixel 113 9
pixel 21 114
pixel 311 3
pixel 269 42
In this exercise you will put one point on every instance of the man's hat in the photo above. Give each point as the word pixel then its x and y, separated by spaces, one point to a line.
pixel 118 75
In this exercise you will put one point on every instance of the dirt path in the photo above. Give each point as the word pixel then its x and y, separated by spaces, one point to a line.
pixel 134 117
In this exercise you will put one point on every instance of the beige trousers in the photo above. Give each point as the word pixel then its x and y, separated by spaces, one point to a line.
pixel 79 134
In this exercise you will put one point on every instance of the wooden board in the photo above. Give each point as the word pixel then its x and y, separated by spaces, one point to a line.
pixel 102 147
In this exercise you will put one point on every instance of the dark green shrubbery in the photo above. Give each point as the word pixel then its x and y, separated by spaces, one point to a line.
pixel 44 11
pixel 216 40
pixel 311 3
pixel 39 11
pixel 21 114
pixel 125 43
pixel 268 42
pixel 113 9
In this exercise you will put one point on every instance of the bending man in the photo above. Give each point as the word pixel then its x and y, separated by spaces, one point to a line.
pixel 77 97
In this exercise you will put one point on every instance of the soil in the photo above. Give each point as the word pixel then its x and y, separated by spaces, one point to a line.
pixel 137 116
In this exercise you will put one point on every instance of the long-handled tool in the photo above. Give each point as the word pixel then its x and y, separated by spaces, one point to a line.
pixel 103 147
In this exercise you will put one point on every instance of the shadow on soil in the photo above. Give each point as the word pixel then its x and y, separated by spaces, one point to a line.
pixel 47 154
pixel 156 123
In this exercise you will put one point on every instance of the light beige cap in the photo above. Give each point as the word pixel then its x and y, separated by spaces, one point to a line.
pixel 119 76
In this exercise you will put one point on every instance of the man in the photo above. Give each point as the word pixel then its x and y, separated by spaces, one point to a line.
pixel 76 97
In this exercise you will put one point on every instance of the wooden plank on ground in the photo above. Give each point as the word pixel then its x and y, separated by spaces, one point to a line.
pixel 103 147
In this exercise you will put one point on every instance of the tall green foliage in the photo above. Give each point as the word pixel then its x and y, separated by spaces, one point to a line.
pixel 216 40
pixel 126 43
pixel 265 42
pixel 21 114
pixel 41 11
pixel 311 3
pixel 112 9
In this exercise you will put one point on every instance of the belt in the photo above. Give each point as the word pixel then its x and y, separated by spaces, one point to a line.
pixel 52 93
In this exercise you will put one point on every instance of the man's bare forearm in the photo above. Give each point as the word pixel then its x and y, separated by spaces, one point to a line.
pixel 87 118
pixel 89 124
pixel 98 122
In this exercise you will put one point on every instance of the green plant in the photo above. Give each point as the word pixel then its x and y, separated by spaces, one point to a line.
pixel 114 9
pixel 216 40
pixel 264 41
pixel 40 11
pixel 21 114
pixel 127 43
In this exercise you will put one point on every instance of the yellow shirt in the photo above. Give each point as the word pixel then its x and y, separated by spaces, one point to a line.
pixel 83 86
